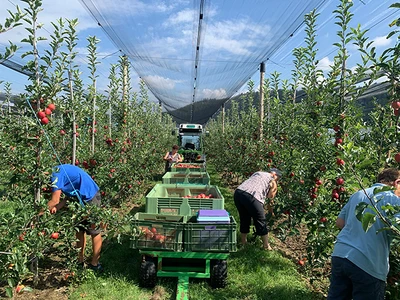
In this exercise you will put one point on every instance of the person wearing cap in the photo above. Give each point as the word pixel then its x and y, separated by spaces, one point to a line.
pixel 250 197
pixel 77 185
pixel 172 157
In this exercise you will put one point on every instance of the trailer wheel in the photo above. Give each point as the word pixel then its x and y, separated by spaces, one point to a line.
pixel 218 273
pixel 148 273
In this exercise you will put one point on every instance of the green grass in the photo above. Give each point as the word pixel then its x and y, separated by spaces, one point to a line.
pixel 253 274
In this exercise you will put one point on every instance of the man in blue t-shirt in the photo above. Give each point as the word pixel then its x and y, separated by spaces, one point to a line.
pixel 75 183
pixel 360 260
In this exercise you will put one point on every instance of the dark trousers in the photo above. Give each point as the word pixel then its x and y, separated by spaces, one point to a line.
pixel 350 282
pixel 250 208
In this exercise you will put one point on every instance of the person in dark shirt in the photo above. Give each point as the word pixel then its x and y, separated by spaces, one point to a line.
pixel 249 200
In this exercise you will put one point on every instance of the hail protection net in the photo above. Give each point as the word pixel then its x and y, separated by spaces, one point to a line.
pixel 188 51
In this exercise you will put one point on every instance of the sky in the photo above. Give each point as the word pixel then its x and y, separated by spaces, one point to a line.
pixel 160 36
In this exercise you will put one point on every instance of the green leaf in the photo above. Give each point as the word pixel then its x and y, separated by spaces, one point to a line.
pixel 359 211
pixel 383 188
pixel 383 229
pixel 9 292
pixel 368 219
pixel 11 282
pixel 27 289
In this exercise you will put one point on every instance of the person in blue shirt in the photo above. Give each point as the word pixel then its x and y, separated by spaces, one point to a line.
pixel 360 260
pixel 76 184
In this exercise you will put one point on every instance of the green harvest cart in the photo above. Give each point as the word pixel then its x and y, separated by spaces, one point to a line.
pixel 178 246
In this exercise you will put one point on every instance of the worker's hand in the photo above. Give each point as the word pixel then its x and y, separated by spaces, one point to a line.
pixel 53 210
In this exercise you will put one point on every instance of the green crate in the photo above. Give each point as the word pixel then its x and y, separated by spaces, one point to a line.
pixel 188 167
pixel 210 236
pixel 192 177
pixel 174 199
pixel 156 232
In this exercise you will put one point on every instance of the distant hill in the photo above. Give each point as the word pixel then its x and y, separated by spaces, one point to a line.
pixel 206 109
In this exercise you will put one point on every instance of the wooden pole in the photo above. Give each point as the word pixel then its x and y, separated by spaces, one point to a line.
pixel 262 71
pixel 223 118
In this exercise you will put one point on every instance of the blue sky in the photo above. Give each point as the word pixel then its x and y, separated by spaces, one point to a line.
pixel 152 22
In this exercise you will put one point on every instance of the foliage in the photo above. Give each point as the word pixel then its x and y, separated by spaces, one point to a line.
pixel 322 142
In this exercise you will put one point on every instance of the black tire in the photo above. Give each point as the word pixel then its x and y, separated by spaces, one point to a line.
pixel 148 274
pixel 218 273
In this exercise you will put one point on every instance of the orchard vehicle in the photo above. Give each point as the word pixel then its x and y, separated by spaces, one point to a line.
pixel 184 233
pixel 190 142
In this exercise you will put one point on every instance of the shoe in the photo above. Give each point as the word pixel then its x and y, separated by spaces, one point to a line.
pixel 98 268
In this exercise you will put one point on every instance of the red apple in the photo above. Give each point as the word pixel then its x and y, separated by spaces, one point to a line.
pixel 51 106
pixel 291 174
pixel 44 121
pixel 318 181
pixel 397 157
pixel 339 181
pixel 62 132
pixel 19 288
pixel 339 141
pixel 55 235
pixel 340 162
pixel 335 194
pixel 41 114
pixel 47 111
pixel 396 104
pixel 323 220
pixel 22 236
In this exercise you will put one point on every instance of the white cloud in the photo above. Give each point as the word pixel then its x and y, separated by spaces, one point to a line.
pixel 213 94
pixel 158 81
pixel 324 64
pixel 381 41
pixel 183 16
pixel 236 37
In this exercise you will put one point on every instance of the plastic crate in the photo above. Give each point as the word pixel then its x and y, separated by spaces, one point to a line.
pixel 155 232
pixel 183 199
pixel 192 178
pixel 210 236
pixel 188 167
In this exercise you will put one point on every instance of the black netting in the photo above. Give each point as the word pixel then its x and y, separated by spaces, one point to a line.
pixel 190 51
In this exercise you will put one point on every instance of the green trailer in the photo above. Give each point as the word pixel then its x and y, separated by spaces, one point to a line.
pixel 183 199
pixel 189 177
pixel 179 246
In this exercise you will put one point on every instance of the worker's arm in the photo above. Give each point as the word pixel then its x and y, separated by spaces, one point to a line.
pixel 166 156
pixel 273 189
pixel 270 208
pixel 56 203
pixel 340 223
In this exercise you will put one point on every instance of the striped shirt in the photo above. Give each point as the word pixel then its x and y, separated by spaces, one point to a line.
pixel 257 185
